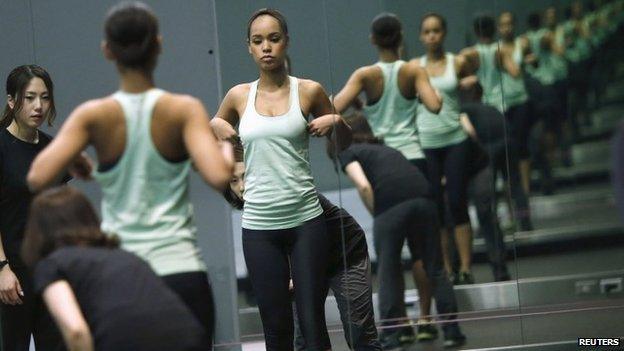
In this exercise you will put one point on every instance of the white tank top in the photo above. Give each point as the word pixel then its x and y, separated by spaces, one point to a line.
pixel 443 129
pixel 393 117
pixel 145 197
pixel 279 188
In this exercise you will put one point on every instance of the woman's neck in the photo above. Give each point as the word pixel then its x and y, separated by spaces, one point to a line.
pixel 273 79
pixel 388 55
pixel 133 81
pixel 486 41
pixel 435 55
pixel 509 39
pixel 23 133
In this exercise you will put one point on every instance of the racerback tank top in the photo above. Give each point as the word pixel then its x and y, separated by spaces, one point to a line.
pixel 393 117
pixel 443 129
pixel 279 188
pixel 514 90
pixel 145 197
pixel 489 75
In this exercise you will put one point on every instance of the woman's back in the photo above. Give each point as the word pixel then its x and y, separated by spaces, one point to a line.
pixel 126 306
pixel 145 190
pixel 393 178
pixel 393 115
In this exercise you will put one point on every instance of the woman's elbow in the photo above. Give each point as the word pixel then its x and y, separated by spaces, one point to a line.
pixel 435 106
pixel 35 181
pixel 79 337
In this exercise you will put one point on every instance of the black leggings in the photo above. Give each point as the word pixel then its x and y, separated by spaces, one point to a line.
pixel 31 317
pixel 267 255
pixel 194 290
pixel 452 162
pixel 520 121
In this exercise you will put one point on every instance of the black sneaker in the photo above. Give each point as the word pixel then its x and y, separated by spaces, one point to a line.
pixel 390 342
pixel 396 339
pixel 464 278
pixel 454 340
pixel 426 332
pixel 407 336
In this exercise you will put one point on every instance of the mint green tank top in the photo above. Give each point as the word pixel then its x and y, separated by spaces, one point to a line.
pixel 580 48
pixel 145 197
pixel 514 90
pixel 393 117
pixel 443 129
pixel 279 188
pixel 551 67
pixel 490 75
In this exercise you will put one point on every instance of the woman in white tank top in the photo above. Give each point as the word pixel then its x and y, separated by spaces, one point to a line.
pixel 393 89
pixel 282 219
pixel 144 139
pixel 446 144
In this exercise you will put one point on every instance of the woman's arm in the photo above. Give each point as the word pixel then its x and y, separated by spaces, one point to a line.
pixel 65 310
pixel 227 117
pixel 471 55
pixel 468 126
pixel 65 148
pixel 326 121
pixel 350 91
pixel 356 174
pixel 427 94
pixel 214 163
pixel 507 63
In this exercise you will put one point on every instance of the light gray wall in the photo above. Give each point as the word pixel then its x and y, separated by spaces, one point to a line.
pixel 64 37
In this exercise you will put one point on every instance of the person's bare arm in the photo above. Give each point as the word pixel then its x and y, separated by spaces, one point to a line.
pixel 326 122
pixel 64 308
pixel 51 163
pixel 365 190
pixel 471 56
pixel 528 57
pixel 213 162
pixel 225 121
pixel 468 126
pixel 506 62
pixel 350 91
pixel 427 94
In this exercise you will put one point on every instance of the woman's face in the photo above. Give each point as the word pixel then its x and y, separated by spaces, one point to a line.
pixel 506 26
pixel 550 17
pixel 237 183
pixel 431 33
pixel 35 104
pixel 267 43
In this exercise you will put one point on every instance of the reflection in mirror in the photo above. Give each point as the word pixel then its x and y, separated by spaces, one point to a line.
pixel 284 235
pixel 572 257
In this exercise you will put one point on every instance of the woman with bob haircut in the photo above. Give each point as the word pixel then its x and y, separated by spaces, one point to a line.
pixel 101 297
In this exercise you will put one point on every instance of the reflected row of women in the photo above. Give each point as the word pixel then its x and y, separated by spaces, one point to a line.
pixel 429 137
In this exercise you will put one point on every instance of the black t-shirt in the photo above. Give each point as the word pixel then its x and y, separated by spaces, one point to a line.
pixel 488 122
pixel 393 178
pixel 16 156
pixel 126 305
pixel 355 247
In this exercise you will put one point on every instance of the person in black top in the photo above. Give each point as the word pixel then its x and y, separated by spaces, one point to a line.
pixel 101 297
pixel 486 125
pixel 350 283
pixel 30 103
pixel 397 194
